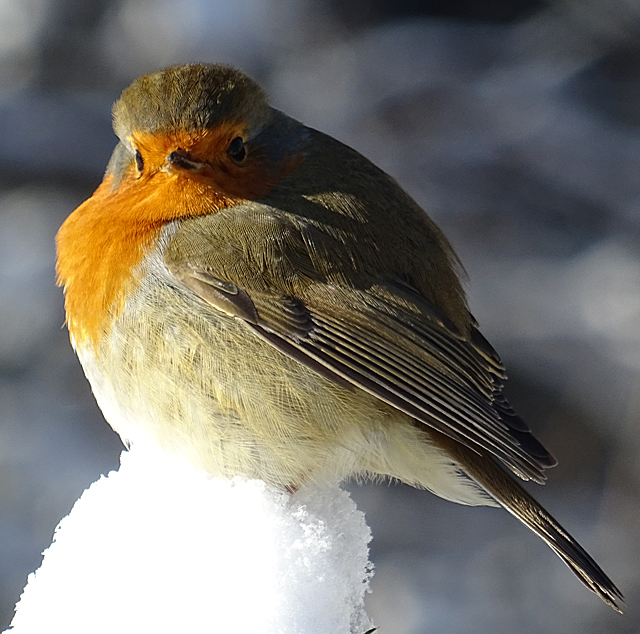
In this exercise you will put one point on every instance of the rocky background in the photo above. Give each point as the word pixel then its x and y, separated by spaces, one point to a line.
pixel 515 123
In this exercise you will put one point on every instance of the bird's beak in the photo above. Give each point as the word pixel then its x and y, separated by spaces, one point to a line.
pixel 180 160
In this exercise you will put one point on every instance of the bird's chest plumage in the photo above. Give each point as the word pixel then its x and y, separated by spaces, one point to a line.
pixel 175 371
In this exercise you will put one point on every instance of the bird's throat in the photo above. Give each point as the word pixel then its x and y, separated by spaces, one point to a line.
pixel 102 243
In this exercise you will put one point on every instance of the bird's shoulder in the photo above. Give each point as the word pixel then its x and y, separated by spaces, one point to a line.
pixel 336 219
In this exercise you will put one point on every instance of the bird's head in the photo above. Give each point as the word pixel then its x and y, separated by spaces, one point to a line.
pixel 201 137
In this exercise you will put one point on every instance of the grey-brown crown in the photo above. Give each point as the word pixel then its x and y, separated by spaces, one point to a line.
pixel 189 97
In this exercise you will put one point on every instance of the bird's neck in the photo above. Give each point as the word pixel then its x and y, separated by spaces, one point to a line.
pixel 99 252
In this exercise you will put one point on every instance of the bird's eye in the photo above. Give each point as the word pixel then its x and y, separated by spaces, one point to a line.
pixel 139 161
pixel 237 150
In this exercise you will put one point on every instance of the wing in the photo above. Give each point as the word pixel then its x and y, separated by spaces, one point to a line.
pixel 381 336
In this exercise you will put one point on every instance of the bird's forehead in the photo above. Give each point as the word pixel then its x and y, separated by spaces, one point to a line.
pixel 204 142
pixel 191 97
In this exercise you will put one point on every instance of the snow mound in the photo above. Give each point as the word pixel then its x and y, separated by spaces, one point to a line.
pixel 158 547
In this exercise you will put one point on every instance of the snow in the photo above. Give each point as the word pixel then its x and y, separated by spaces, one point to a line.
pixel 159 547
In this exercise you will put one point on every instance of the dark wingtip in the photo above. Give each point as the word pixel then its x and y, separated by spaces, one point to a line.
pixel 604 588
pixel 521 432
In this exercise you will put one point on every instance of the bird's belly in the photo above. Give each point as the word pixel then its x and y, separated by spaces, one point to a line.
pixel 176 372
pixel 179 373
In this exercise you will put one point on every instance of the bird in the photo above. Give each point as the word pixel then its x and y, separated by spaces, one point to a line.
pixel 254 295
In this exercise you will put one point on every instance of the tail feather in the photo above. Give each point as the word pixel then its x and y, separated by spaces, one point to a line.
pixel 510 495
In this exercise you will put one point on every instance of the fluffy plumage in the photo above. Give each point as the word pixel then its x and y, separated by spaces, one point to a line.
pixel 261 298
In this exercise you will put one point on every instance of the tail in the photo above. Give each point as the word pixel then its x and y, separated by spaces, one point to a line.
pixel 509 494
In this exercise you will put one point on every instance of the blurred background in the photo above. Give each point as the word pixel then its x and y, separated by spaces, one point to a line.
pixel 515 123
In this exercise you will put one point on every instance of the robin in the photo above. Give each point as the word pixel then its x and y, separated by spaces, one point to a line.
pixel 255 295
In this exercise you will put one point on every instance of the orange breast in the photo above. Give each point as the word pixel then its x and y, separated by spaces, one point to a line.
pixel 103 241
